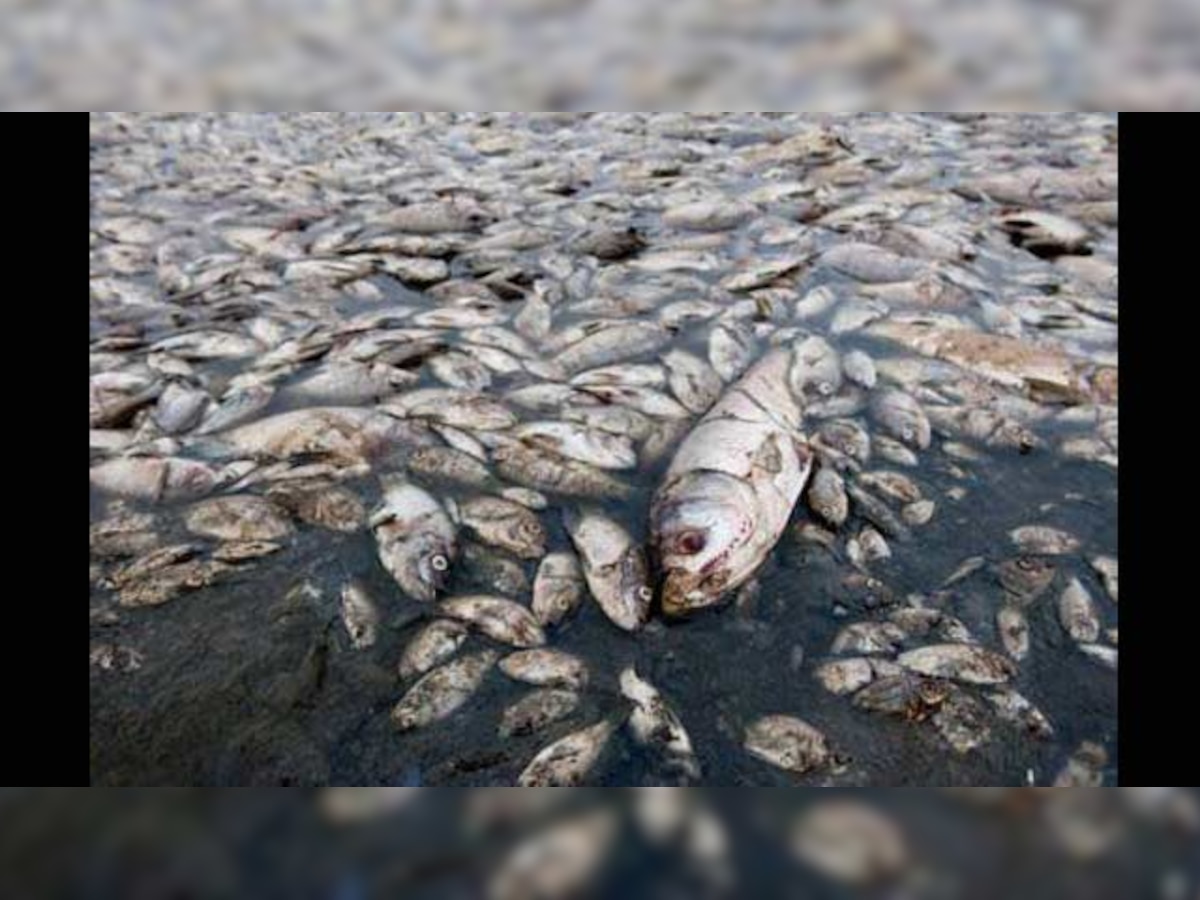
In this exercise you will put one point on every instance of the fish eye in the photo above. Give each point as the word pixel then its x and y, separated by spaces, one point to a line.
pixel 691 542
pixel 439 562
pixel 908 433
pixel 645 593
pixel 824 388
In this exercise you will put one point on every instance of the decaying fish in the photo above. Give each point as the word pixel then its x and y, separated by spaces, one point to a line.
pixel 557 588
pixel 504 524
pixel 360 615
pixel 238 518
pixel 1044 539
pixel 850 842
pixel 653 722
pixel 417 540
pixel 787 742
pixel 730 489
pixel 440 693
pixel 546 668
pixel 613 565
pixel 559 861
pixel 1077 613
pixel 963 662
pixel 569 760
pixel 433 645
pixel 500 619
pixel 536 710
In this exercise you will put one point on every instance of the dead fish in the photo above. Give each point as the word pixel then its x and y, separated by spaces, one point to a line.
pixel 815 303
pixel 1044 540
pixel 730 350
pixel 237 406
pixel 902 417
pixel 343 432
pixel 709 215
pixel 868 638
pixel 859 368
pixel 546 668
pixel 443 691
pixel 544 470
pixel 448 464
pixel 459 370
pixel 1013 630
pixel 632 374
pixel 179 408
pixel 642 399
pixel 327 506
pixel 847 438
pixel 609 243
pixel 561 860
pixel 557 588
pixel 416 538
pixel 154 479
pixel 1077 613
pixel 613 565
pixel 359 615
pixel 578 442
pixel 612 344
pixel 893 485
pixel 433 645
pixel 500 619
pixel 238 518
pixel 351 382
pixel 435 217
pixel 961 721
pixel 504 524
pixel 761 274
pixel 969 663
pixel 918 512
pixel 869 263
pixel 877 513
pixel 536 710
pixel 654 723
pixel 845 676
pixel 816 369
pixel 1015 708
pixel 827 496
pixel 787 742
pixel 569 760
pixel 850 842
pixel 692 380
pixel 730 489
pixel 493 571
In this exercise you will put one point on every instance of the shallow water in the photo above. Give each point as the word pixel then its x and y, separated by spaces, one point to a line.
pixel 241 685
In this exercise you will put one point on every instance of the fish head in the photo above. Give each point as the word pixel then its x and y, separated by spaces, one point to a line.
pixel 704 529
pixel 420 563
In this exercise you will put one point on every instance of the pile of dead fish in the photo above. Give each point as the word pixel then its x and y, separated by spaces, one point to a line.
pixel 452 337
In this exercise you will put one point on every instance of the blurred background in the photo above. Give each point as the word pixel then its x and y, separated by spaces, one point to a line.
pixel 586 54
pixel 509 843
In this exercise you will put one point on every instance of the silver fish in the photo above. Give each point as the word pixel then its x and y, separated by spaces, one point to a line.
pixel 730 489
pixel 416 538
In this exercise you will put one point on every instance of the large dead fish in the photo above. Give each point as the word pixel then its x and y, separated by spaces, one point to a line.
pixel 730 489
